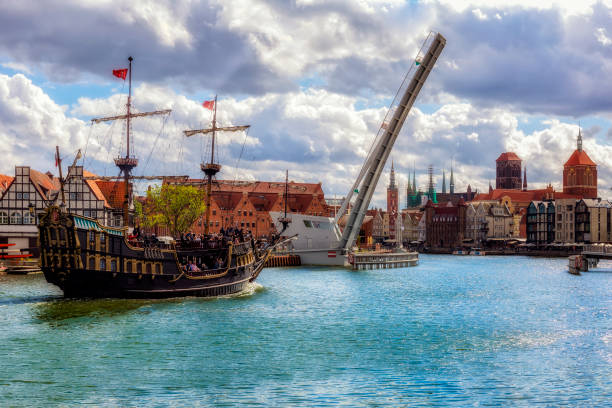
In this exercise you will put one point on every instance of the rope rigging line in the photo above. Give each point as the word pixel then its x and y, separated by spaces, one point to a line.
pixel 155 144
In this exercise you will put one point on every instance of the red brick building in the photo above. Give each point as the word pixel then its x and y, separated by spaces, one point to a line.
pixel 580 173
pixel 508 171
pixel 392 204
pixel 246 204
pixel 445 224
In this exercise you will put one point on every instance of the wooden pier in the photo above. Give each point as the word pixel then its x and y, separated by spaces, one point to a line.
pixel 589 258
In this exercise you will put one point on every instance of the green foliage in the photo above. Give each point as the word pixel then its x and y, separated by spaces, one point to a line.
pixel 176 207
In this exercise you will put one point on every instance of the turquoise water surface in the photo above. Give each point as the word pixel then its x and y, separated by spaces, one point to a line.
pixel 452 331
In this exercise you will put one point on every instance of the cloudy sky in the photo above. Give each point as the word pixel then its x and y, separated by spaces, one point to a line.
pixel 314 79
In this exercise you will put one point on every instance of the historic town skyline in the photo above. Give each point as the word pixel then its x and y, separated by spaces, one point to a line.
pixel 512 78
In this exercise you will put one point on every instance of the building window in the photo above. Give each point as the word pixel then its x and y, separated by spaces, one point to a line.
pixel 86 213
pixel 28 218
pixel 102 264
pixel 4 218
pixel 158 269
pixel 113 265
pixel 15 218
pixel 19 196
pixel 73 196
pixel 92 263
pixel 103 240
pixel 26 196
pixel 148 268
pixel 214 212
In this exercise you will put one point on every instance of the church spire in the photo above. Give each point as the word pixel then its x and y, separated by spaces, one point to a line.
pixel 452 180
pixel 392 182
pixel 579 142
pixel 443 181
pixel 414 185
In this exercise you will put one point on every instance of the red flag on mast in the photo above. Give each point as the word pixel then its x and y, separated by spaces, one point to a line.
pixel 120 73
pixel 209 104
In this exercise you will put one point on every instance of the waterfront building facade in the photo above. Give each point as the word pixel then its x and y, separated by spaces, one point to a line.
pixel 592 220
pixel 565 210
pixel 445 225
pixel 247 204
pixel 541 222
pixel 31 191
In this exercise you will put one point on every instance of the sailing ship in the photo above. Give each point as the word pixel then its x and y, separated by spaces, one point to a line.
pixel 88 259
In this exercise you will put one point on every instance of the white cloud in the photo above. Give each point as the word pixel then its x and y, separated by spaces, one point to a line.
pixel 602 37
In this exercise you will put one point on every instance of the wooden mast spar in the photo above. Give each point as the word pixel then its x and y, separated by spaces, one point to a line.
pixel 126 164
pixel 212 168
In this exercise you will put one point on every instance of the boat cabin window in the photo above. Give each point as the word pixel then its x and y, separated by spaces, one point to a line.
pixel 102 239
pixel 92 263
pixel 102 264
pixel 128 266
pixel 62 233
pixel 158 268
pixel 92 238
pixel 139 267
pixel 307 224
pixel 113 266
pixel 148 268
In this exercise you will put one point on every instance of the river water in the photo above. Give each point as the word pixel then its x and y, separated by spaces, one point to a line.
pixel 452 331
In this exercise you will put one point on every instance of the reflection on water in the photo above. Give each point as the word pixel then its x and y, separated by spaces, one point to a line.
pixel 55 310
pixel 62 309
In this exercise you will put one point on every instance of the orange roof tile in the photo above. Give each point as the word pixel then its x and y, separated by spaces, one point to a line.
pixel 5 182
pixel 112 191
pixel 508 156
pixel 579 158
pixel 94 187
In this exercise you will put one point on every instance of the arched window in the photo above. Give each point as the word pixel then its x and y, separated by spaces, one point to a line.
pixel 139 267
pixel 158 269
pixel 4 218
pixel 15 218
pixel 113 265
pixel 148 268
pixel 92 263
pixel 102 264
pixel 128 266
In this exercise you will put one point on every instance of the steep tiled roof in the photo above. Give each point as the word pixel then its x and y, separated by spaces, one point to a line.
pixel 5 182
pixel 113 192
pixel 508 156
pixel 43 183
pixel 579 157
pixel 94 187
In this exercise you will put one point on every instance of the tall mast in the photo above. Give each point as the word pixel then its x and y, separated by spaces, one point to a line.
pixel 127 163
pixel 212 168
pixel 59 163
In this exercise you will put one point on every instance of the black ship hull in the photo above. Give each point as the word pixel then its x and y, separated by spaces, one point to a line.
pixel 86 259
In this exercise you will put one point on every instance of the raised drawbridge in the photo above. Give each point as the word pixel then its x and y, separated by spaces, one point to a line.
pixel 375 162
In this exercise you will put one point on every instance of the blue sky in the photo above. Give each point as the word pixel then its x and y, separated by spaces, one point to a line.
pixel 314 80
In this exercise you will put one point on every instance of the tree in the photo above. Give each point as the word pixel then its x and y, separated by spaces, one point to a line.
pixel 174 206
